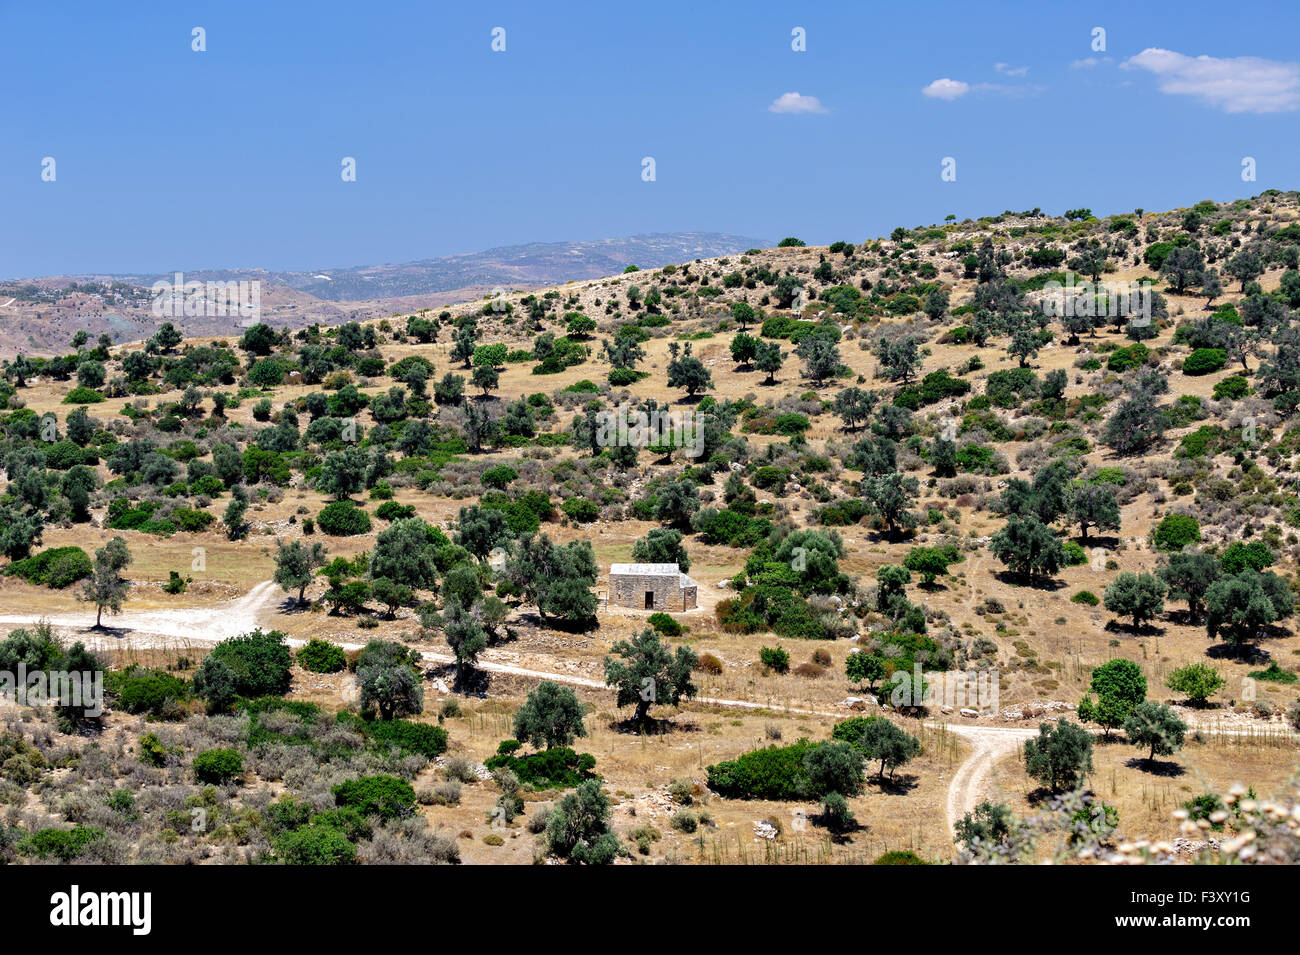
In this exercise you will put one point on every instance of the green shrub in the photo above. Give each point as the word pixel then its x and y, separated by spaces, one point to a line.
pixel 260 662
pixel 1086 597
pixel 1075 555
pixel 1128 357
pixel 421 739
pixel 499 477
pixel 556 768
pixel 685 821
pixel 1232 387
pixel 1007 389
pixel 314 845
pixel 209 486
pixel 620 377
pixel 152 750
pixel 1203 361
pixel 1204 806
pixel 1274 674
pixel 83 396
pixel 321 656
pixel 775 772
pixel 581 510
pixel 775 659
pixel 343 519
pixel 141 691
pixel 385 796
pixel 56 568
pixel 63 844
pixel 190 520
pixel 392 511
pixel 218 766
pixel 901 857
pixel 665 624
pixel 1176 531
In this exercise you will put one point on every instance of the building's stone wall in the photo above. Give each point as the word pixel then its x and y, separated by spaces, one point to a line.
pixel 689 596
pixel 629 590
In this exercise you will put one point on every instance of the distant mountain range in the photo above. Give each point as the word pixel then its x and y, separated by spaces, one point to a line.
pixel 537 263
pixel 36 314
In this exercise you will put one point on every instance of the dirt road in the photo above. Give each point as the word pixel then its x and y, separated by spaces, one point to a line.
pixel 200 624
pixel 968 787
pixel 988 745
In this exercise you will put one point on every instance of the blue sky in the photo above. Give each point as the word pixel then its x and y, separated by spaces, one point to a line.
pixel 168 158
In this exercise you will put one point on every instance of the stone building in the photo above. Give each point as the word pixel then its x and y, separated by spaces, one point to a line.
pixel 651 587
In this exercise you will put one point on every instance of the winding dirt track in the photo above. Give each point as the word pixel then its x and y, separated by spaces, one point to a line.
pixel 212 625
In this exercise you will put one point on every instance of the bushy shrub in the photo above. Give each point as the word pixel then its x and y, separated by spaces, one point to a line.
pixel 62 844
pixel 775 772
pixel 392 511
pixel 56 568
pixel 314 845
pixel 385 796
pixel 620 377
pixel 422 739
pixel 685 821
pixel 665 624
pixel 321 656
pixel 218 766
pixel 1176 531
pixel 152 750
pixel 1128 357
pixel 556 768
pixel 140 691
pixel 1232 387
pixel 708 663
pixel 209 486
pixel 1203 361
pixel 1074 553
pixel 581 510
pixel 343 519
pixel 1009 388
pixel 775 659
pixel 83 396
pixel 191 520
pixel 259 661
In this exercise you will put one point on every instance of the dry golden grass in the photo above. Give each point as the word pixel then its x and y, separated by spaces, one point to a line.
pixel 1145 796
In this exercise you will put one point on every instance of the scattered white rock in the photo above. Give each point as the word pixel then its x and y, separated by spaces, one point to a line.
pixel 1034 709
pixel 764 830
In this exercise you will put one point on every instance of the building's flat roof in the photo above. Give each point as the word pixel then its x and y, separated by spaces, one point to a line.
pixel 650 570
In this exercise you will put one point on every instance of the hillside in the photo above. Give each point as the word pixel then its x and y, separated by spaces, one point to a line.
pixel 908 464
pixel 38 315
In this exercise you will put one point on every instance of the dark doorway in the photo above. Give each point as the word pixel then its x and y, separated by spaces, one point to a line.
pixel 649 600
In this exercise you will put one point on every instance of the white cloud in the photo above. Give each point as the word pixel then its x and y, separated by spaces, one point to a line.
pixel 1006 70
pixel 797 103
pixel 946 89
pixel 1240 84
pixel 1089 63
